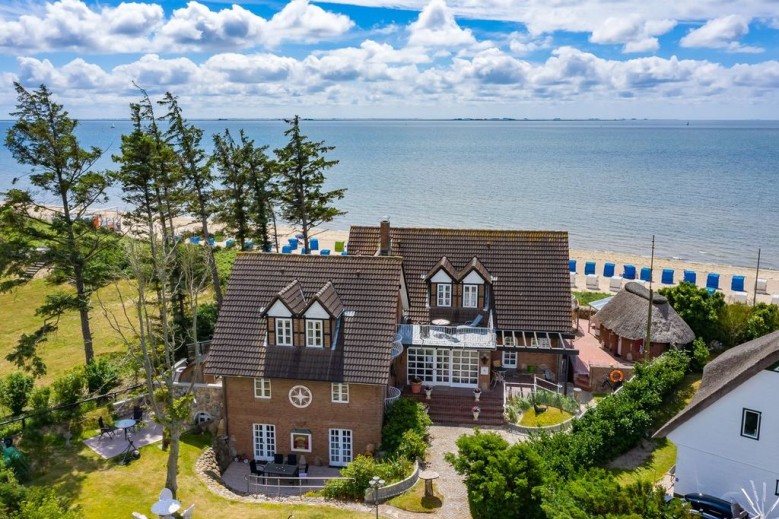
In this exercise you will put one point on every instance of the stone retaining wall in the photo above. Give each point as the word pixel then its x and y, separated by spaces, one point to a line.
pixel 394 489
pixel 521 429
pixel 208 399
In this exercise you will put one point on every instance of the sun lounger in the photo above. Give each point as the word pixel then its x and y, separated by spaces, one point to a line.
pixel 740 297
pixel 737 284
pixel 608 270
pixel 573 279
pixel 712 282
pixel 690 276
pixel 615 284
pixel 629 272
pixel 572 265
pixel 589 268
pixel 762 286
pixel 667 277
pixel 592 282
pixel 646 274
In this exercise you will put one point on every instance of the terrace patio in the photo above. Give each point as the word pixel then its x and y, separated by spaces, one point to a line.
pixel 239 478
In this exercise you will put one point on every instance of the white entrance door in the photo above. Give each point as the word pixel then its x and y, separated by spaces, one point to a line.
pixel 340 447
pixel 465 368
pixel 264 441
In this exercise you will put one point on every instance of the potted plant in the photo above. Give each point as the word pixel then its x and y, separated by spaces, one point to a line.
pixel 428 391
pixel 476 394
pixel 416 385
pixel 476 410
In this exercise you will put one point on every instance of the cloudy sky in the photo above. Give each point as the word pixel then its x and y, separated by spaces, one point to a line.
pixel 688 59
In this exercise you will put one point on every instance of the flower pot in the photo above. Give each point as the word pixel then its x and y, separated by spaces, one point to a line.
pixel 476 415
pixel 476 396
pixel 428 392
pixel 416 387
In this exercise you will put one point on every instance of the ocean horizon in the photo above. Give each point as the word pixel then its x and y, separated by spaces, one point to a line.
pixel 708 191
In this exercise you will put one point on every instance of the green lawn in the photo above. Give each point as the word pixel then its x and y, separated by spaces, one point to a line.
pixel 551 416
pixel 103 488
pixel 415 501
pixel 64 349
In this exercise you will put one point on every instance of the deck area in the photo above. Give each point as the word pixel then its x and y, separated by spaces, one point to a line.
pixel 236 478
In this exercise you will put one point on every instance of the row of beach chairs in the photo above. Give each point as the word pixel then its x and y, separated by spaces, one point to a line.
pixel 737 283
pixel 313 244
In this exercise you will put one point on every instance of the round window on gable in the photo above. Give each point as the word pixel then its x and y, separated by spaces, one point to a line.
pixel 300 396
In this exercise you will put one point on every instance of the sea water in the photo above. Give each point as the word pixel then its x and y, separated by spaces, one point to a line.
pixel 708 190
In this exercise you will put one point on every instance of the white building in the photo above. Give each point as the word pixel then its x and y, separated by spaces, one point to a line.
pixel 728 436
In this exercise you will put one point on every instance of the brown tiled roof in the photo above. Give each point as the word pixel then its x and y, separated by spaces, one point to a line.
pixel 368 288
pixel 530 270
pixel 328 298
pixel 725 373
pixel 445 265
pixel 476 265
pixel 292 296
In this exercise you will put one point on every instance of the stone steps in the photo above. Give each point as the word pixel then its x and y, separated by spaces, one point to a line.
pixel 454 406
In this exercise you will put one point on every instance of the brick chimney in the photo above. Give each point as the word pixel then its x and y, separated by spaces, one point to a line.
pixel 385 246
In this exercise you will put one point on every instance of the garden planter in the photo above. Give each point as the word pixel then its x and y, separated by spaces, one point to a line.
pixel 416 387
pixel 476 396
pixel 428 392
pixel 476 411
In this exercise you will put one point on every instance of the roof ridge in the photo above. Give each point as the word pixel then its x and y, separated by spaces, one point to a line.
pixel 466 229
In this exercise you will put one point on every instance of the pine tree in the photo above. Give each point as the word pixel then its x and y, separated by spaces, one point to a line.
pixel 64 236
pixel 301 167
pixel 232 207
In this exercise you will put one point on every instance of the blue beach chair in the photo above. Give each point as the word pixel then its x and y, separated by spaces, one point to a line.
pixel 344 253
pixel 629 272
pixel 572 265
pixel 608 270
pixel 737 284
pixel 313 244
pixel 293 243
pixel 324 252
pixel 712 282
pixel 646 274
pixel 667 277
pixel 286 249
pixel 589 268
pixel 339 246
pixel 690 276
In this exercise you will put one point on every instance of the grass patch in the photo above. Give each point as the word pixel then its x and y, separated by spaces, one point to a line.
pixel 65 348
pixel 89 481
pixel 680 398
pixel 414 499
pixel 662 456
pixel 551 416
pixel 586 298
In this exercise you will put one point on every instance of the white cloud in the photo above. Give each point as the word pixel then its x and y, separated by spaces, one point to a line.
pixel 522 44
pixel 436 27
pixel 638 34
pixel 721 33
pixel 135 27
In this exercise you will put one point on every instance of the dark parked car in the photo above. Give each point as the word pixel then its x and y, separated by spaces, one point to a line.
pixel 711 506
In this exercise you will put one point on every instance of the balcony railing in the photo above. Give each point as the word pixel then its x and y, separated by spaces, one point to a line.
pixel 393 394
pixel 447 336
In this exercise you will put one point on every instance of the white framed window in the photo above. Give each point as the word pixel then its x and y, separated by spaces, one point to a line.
pixel 750 424
pixel 510 359
pixel 444 296
pixel 470 296
pixel 261 388
pixel 339 393
pixel 340 447
pixel 264 436
pixel 314 333
pixel 283 331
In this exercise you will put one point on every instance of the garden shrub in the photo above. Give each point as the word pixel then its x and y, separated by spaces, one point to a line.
pixel 15 390
pixel 699 309
pixel 700 355
pixel 412 445
pixel 101 375
pixel 502 480
pixel 39 403
pixel 403 415
pixel 68 389
pixel 361 470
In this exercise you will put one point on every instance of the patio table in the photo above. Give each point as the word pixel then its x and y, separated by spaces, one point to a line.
pixel 281 471
pixel 125 424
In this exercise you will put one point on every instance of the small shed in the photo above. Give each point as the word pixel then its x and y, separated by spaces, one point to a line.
pixel 623 320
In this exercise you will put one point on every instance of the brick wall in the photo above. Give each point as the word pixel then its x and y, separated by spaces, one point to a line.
pixel 363 415
pixel 631 349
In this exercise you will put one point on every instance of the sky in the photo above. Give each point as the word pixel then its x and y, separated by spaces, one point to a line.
pixel 680 59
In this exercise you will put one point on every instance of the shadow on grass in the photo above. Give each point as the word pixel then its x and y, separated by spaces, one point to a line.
pixel 678 400
pixel 431 503
pixel 647 462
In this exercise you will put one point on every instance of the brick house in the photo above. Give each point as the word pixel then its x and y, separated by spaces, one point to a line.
pixel 311 348
pixel 303 345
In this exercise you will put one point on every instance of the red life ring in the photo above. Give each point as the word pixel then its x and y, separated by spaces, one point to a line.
pixel 616 376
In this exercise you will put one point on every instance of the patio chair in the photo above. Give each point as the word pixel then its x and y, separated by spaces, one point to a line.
pixel 105 431
pixel 255 468
pixel 667 277
pixel 592 282
pixel 646 274
pixel 278 459
pixel 138 417
pixel 690 276
pixel 589 268
pixel 615 284
pixel 712 282
pixel 572 265
pixel 608 270
pixel 292 459
pixel 762 286
pixel 629 272
pixel 737 284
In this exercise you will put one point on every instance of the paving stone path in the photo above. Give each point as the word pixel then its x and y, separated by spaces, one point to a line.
pixel 450 484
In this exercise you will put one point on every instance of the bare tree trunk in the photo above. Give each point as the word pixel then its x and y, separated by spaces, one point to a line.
pixel 173 461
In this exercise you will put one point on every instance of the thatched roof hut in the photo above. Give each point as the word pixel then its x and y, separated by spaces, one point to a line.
pixel 626 315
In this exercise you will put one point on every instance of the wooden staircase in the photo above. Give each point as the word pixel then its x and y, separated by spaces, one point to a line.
pixel 453 406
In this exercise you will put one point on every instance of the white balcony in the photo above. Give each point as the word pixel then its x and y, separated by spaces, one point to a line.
pixel 447 336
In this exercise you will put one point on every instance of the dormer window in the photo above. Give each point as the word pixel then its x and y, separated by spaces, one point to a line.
pixel 444 295
pixel 283 331
pixel 314 335
pixel 470 296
